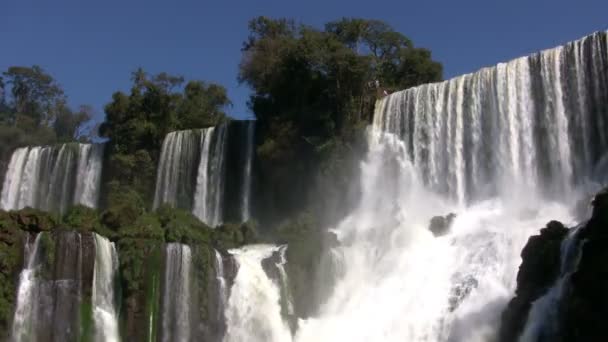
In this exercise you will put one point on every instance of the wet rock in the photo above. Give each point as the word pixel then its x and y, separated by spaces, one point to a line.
pixel 539 270
pixel 440 225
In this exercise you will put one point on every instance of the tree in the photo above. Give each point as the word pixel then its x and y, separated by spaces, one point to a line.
pixel 35 93
pixel 136 123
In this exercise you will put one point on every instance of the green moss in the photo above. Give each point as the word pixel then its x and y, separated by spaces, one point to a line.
pixel 82 219
pixel 87 327
pixel 11 251
pixel 146 226
pixel 152 307
pixel 182 227
pixel 228 235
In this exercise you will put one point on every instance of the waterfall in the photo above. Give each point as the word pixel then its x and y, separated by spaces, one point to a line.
pixel 253 312
pixel 49 295
pixel 542 317
pixel 537 122
pixel 175 175
pixel 284 280
pixel 191 172
pixel 103 295
pixel 491 147
pixel 245 210
pixel 209 194
pixel 176 315
pixel 221 281
pixel 27 296
pixel 52 178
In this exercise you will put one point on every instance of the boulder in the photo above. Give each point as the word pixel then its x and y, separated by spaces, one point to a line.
pixel 440 225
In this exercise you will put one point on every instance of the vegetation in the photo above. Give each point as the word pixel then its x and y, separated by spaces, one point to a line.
pixel 313 92
pixel 136 124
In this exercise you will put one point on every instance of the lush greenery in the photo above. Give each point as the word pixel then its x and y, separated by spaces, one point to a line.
pixel 136 124
pixel 313 92
pixel 34 111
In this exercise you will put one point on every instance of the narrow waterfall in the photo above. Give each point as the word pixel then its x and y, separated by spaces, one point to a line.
pixel 246 190
pixel 253 312
pixel 176 169
pixel 209 194
pixel 105 312
pixel 284 280
pixel 176 315
pixel 27 294
pixel 52 178
pixel 191 172
pixel 221 281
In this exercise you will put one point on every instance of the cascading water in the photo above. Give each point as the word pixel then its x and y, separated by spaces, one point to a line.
pixel 209 195
pixel 253 312
pixel 221 281
pixel 245 209
pixel 27 296
pixel 491 147
pixel 53 178
pixel 103 294
pixel 176 315
pixel 193 159
pixel 49 295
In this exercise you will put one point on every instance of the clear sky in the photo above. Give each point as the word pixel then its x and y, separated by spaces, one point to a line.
pixel 91 47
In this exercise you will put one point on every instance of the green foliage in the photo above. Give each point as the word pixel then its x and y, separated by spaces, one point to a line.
pixel 183 227
pixel 228 235
pixel 36 112
pixel 11 239
pixel 136 123
pixel 124 207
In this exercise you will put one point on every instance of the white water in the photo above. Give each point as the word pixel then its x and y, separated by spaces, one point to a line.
pixel 176 294
pixel 246 191
pixel 53 178
pixel 103 294
pixel 221 281
pixel 253 313
pixel 494 147
pixel 209 194
pixel 27 298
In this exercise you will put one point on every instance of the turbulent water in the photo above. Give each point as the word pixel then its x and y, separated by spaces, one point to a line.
pixel 253 312
pixel 506 149
pixel 104 298
pixel 176 316
pixel 53 178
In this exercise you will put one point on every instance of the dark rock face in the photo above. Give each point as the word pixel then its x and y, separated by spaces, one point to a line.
pixel 440 225
pixel 539 270
pixel 583 308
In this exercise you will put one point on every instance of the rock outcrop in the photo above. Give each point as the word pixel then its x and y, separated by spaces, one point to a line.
pixel 582 309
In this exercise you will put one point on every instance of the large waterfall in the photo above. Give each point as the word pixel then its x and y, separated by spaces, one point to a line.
pixel 53 178
pixel 193 171
pixel 491 147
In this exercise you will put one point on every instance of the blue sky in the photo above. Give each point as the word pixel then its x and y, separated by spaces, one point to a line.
pixel 91 47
